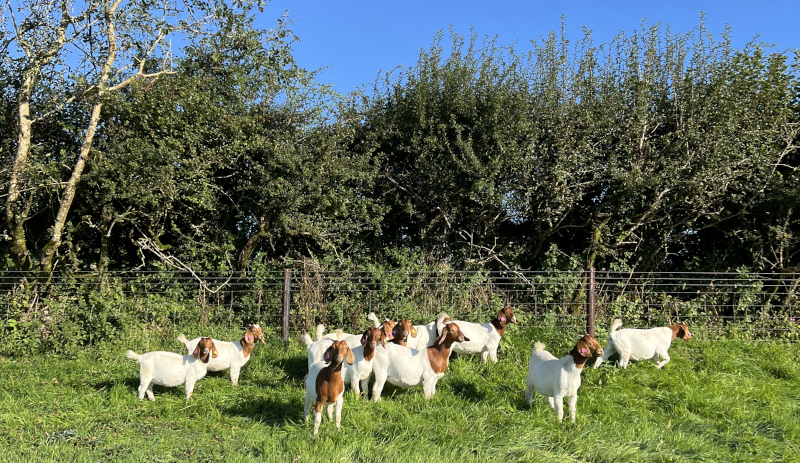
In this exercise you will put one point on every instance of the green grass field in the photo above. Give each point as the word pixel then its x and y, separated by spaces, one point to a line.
pixel 715 401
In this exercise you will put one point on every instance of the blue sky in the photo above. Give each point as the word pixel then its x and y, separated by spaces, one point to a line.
pixel 355 38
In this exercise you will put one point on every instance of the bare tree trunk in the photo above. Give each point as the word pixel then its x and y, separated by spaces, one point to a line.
pixel 17 213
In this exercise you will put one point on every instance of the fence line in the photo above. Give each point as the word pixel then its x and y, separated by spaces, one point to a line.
pixel 747 305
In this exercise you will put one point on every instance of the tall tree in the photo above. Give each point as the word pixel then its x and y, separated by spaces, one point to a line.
pixel 80 53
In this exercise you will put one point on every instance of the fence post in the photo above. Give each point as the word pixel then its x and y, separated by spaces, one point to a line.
pixel 287 299
pixel 590 305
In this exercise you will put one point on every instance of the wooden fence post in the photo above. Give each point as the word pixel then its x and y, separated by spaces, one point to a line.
pixel 590 305
pixel 287 300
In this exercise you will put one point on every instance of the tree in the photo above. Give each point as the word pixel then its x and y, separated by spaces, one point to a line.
pixel 70 57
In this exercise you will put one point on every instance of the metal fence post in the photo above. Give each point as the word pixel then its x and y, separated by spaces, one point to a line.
pixel 590 305
pixel 287 300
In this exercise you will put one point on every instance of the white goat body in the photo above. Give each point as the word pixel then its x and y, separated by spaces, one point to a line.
pixel 557 378
pixel 233 355
pixel 352 340
pixel 484 337
pixel 637 344
pixel 170 369
pixel 406 367
pixel 427 334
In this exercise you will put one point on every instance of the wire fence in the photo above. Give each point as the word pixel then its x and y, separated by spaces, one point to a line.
pixel 741 305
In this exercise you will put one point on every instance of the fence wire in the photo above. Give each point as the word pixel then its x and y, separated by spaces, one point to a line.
pixel 742 305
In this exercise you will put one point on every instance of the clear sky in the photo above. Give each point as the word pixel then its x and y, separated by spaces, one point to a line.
pixel 355 38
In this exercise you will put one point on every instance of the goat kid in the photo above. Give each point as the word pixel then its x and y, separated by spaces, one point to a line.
pixel 357 374
pixel 558 378
pixel 633 344
pixel 324 384
pixel 485 337
pixel 171 369
pixel 407 367
pixel 233 355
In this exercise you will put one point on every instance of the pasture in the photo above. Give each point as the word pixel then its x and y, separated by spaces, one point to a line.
pixel 717 400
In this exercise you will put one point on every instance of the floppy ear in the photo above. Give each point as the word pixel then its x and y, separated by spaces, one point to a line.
pixel 196 352
pixel 214 352
pixel 445 330
pixel 413 332
pixel 350 356
pixel 327 357
pixel 583 348
pixel 383 339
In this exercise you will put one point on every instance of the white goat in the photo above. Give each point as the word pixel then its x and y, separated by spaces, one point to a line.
pixel 427 334
pixel 633 344
pixel 357 374
pixel 233 355
pixel 407 367
pixel 485 337
pixel 324 384
pixel 559 378
pixel 171 369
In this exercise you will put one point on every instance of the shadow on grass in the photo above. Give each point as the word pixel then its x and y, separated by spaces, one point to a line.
pixel 295 368
pixel 466 391
pixel 268 411
pixel 131 383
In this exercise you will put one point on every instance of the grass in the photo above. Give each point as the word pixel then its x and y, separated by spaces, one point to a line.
pixel 715 401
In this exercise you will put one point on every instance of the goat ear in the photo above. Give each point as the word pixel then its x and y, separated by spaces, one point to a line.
pixel 413 332
pixel 583 349
pixel 350 356
pixel 196 352
pixel 327 357
pixel 214 353
pixel 444 334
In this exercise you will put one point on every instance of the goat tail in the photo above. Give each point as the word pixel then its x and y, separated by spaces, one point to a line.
pixel 539 346
pixel 182 339
pixel 131 355
pixel 307 340
pixel 374 319
pixel 320 331
pixel 615 325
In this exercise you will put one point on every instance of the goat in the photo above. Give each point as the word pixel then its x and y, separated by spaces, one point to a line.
pixel 171 369
pixel 633 344
pixel 407 367
pixel 401 331
pixel 324 384
pixel 233 355
pixel 357 374
pixel 485 336
pixel 558 378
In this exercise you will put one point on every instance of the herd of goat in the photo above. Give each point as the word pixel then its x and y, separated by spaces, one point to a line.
pixel 405 355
